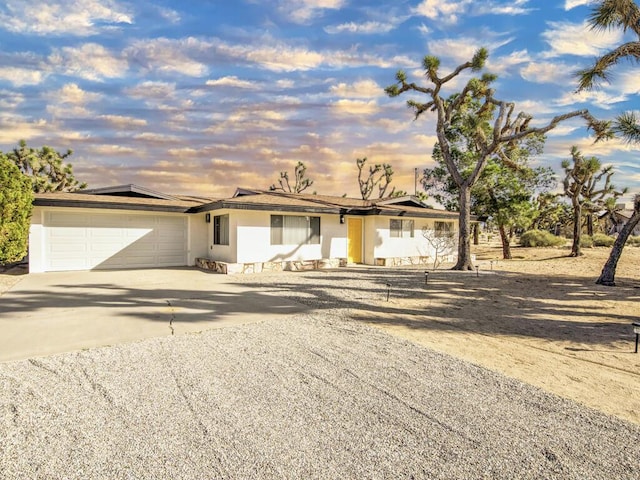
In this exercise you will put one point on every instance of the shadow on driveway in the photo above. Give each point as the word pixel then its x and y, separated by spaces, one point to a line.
pixel 58 312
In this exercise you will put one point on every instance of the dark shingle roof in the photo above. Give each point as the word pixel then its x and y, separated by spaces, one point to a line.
pixel 246 199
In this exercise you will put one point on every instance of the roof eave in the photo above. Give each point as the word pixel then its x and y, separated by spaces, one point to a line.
pixel 50 202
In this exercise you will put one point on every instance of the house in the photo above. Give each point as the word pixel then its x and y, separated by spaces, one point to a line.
pixel 132 227
pixel 617 219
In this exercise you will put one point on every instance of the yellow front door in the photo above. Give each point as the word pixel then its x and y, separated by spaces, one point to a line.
pixel 354 240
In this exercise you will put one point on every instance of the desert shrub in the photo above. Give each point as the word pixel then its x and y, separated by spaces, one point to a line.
pixel 602 240
pixel 540 238
pixel 634 241
pixel 586 241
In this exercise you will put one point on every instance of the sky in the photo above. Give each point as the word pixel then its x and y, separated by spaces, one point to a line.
pixel 199 97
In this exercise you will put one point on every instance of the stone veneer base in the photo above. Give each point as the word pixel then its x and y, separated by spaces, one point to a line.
pixel 301 265
pixel 257 267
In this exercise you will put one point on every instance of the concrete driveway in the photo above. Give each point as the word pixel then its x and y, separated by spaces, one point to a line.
pixel 51 313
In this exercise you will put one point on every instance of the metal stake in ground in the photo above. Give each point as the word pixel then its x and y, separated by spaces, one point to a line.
pixel 636 330
pixel 388 290
pixel 477 271
pixel 426 277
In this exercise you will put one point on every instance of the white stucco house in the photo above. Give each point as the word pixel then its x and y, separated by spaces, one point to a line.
pixel 133 227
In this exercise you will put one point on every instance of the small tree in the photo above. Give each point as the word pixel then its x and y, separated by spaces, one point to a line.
pixel 505 127
pixel 550 214
pixel 583 185
pixel 379 175
pixel 46 168
pixel 442 241
pixel 300 185
pixel 16 203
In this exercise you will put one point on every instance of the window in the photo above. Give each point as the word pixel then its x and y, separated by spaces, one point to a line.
pixel 443 229
pixel 294 230
pixel 221 230
pixel 401 228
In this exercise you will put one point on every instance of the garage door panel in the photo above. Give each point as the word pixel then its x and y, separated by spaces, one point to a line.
pixel 82 241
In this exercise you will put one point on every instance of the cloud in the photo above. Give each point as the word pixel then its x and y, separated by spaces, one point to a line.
pixel 570 4
pixel 517 7
pixel 10 100
pixel 152 90
pixel 365 28
pixel 90 61
pixel 112 150
pixel 277 57
pixel 19 77
pixel 123 121
pixel 151 138
pixel 355 107
pixel 63 17
pixel 231 81
pixel 169 14
pixel 461 49
pixel 626 82
pixel 303 11
pixel 567 38
pixel 447 11
pixel 504 64
pixel 71 93
pixel 165 55
pixel 547 72
pixel 599 98
pixel 450 11
pixel 61 111
pixel 13 128
pixel 359 89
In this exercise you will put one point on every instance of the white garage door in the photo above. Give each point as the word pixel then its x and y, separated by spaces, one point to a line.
pixel 87 240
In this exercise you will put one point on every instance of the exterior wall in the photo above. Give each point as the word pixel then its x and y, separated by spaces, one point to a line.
pixel 371 240
pixel 197 237
pixel 36 241
pixel 254 240
pixel 387 247
pixel 250 239
pixel 38 248
pixel 224 253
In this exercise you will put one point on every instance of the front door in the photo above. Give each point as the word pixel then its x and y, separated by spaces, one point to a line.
pixel 354 240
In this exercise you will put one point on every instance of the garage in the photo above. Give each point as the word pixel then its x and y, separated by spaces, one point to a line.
pixel 90 240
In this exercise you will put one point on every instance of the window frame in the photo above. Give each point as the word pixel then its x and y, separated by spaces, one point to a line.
pixel 220 234
pixel 398 227
pixel 278 229
pixel 443 232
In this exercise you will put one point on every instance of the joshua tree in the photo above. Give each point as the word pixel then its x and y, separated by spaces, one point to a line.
pixel 582 184
pixel 300 185
pixel 507 127
pixel 45 168
pixel 608 274
pixel 379 175
pixel 606 15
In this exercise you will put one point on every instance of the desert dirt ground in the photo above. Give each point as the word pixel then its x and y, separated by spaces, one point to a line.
pixel 539 318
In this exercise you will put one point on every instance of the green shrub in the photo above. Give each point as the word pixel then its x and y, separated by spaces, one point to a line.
pixel 540 238
pixel 16 199
pixel 602 240
pixel 586 241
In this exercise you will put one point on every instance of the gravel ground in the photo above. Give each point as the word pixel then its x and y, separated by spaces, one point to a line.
pixel 311 396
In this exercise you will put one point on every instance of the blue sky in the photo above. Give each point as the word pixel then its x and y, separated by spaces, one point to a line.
pixel 199 97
